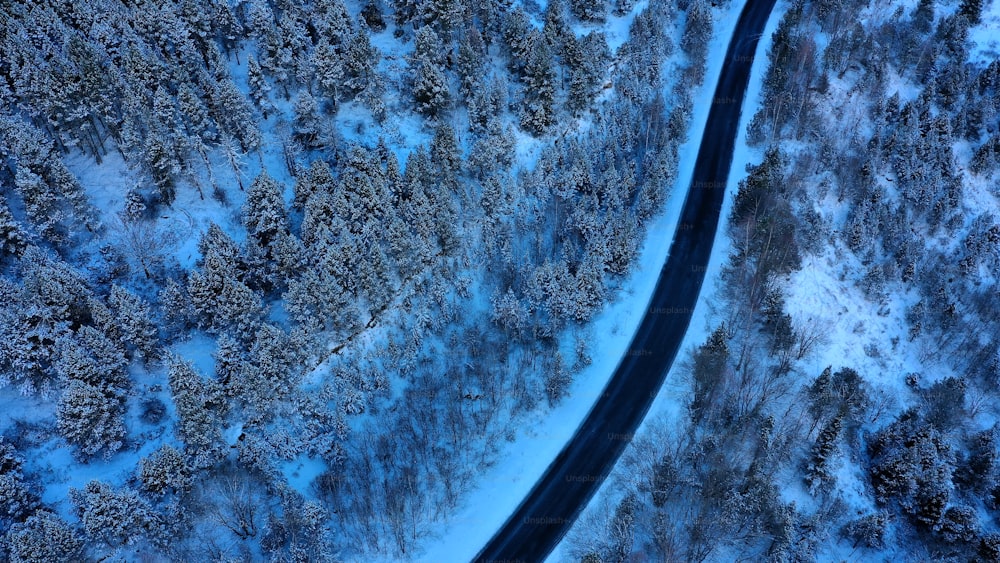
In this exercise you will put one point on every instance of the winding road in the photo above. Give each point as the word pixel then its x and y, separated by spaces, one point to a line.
pixel 546 514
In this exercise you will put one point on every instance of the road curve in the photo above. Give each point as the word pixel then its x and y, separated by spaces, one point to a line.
pixel 546 514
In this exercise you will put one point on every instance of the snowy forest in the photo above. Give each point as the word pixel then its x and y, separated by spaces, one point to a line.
pixel 280 279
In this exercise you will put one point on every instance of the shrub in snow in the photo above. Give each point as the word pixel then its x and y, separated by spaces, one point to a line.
pixel 868 531
pixel 165 470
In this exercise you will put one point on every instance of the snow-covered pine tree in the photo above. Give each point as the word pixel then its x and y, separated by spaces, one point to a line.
pixel 219 299
pixel 555 28
pixel 175 308
pixel 360 63
pixel 91 418
pixel 307 126
pixel 134 320
pixel 259 87
pixel 165 470
pixel 818 472
pixel 587 59
pixel 90 356
pixel 264 214
pixel 197 401
pixel 430 85
pixel 516 33
pixel 589 10
pixel 44 537
pixel 17 502
pixel 232 112
pixel 538 109
pixel 697 31
pixel 13 238
pixel 117 517
pixel 471 62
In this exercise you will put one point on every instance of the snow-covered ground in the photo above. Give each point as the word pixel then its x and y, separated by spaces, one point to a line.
pixel 985 37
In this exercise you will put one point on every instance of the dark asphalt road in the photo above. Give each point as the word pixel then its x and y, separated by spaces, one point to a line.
pixel 547 513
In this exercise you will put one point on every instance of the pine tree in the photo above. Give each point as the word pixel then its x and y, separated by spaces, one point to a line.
pixel 13 239
pixel 228 28
pixel 54 286
pixel 538 111
pixel 330 71
pixel 516 33
pixel 175 308
pixel 318 178
pixel 471 62
pixel 589 10
pixel 116 517
pixel 16 501
pixel 91 418
pixel 165 470
pixel 196 400
pixel 446 157
pixel 444 15
pixel 44 538
pixel 360 63
pixel 264 213
pixel 90 356
pixel 230 360
pixel 308 129
pixel 587 59
pixel 427 46
pixel 232 112
pixel 923 16
pixel 163 167
pixel 133 318
pixel 555 27
pixel 818 475
pixel 489 102
pixel 430 89
pixel 270 374
pixel 972 10
pixel 697 31
pixel 259 87
pixel 221 300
